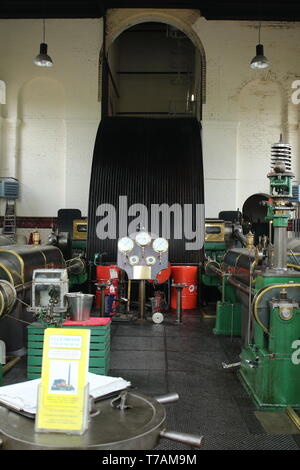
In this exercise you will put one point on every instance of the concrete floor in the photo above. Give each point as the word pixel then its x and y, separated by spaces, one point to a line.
pixel 187 359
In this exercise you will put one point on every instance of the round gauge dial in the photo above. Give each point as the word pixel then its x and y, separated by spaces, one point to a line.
pixel 133 260
pixel 150 260
pixel 160 245
pixel 143 238
pixel 125 244
pixel 286 313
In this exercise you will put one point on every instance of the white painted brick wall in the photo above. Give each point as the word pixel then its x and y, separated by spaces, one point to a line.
pixel 244 113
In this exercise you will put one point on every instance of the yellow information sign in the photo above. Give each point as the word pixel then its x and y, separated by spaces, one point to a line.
pixel 63 394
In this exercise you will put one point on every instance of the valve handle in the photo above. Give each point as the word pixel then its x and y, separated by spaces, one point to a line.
pixel 167 398
pixel 188 439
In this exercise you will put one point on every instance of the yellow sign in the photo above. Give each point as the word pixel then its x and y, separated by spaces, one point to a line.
pixel 63 395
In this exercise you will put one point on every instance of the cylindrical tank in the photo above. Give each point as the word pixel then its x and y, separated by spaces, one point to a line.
pixel 239 262
pixel 185 275
pixel 107 275
pixel 8 297
pixel 17 264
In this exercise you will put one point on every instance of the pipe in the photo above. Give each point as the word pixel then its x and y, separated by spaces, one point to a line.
pixel 188 439
pixel 249 306
pixel 239 286
pixel 102 302
pixel 280 248
pixel 293 416
pixel 231 281
pixel 128 295
pixel 142 299
pixel 10 364
pixel 168 398
pixel 75 266
pixel 240 237
pixel 2 352
pixel 214 267
pixel 179 305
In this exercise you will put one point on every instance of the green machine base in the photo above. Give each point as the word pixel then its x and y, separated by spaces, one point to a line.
pixel 228 319
pixel 269 380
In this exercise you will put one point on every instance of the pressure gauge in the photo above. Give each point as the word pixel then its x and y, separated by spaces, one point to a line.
pixel 150 260
pixel 133 260
pixel 143 238
pixel 286 313
pixel 160 245
pixel 125 244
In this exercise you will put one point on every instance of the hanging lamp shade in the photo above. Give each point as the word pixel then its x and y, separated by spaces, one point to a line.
pixel 259 61
pixel 43 59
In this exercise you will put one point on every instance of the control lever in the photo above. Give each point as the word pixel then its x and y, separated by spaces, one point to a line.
pixel 168 398
pixel 188 439
pixel 252 364
pixel 230 366
pixel 184 438
pixel 120 402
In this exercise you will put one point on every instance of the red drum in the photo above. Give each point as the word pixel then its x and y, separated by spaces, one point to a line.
pixel 185 275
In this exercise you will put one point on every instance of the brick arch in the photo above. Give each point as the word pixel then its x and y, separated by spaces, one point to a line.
pixel 119 20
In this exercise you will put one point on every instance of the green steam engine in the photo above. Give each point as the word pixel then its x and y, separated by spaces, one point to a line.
pixel 260 288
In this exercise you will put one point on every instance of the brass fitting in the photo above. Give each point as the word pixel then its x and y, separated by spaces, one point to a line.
pixel 249 240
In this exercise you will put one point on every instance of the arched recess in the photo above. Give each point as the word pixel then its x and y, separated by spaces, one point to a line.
pixel 262 113
pixel 118 20
pixel 41 147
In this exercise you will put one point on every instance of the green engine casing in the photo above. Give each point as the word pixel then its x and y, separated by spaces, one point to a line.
pixel 270 365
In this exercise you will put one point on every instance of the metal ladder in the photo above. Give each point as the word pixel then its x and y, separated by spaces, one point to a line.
pixel 9 221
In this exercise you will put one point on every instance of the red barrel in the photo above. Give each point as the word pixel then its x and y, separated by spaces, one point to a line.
pixel 185 275
pixel 104 275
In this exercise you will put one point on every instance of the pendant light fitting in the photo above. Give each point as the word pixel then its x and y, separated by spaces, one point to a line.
pixel 43 59
pixel 259 61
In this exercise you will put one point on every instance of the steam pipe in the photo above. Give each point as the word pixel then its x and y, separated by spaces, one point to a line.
pixel 214 267
pixel 211 266
pixel 239 236
pixel 239 286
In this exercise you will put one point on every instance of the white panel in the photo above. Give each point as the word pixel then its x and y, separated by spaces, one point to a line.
pixel 41 166
pixel 219 196
pixel 261 116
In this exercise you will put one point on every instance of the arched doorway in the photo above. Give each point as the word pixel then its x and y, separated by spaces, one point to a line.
pixel 154 64
pixel 154 71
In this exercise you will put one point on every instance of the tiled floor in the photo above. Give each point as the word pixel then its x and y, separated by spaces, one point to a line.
pixel 187 359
